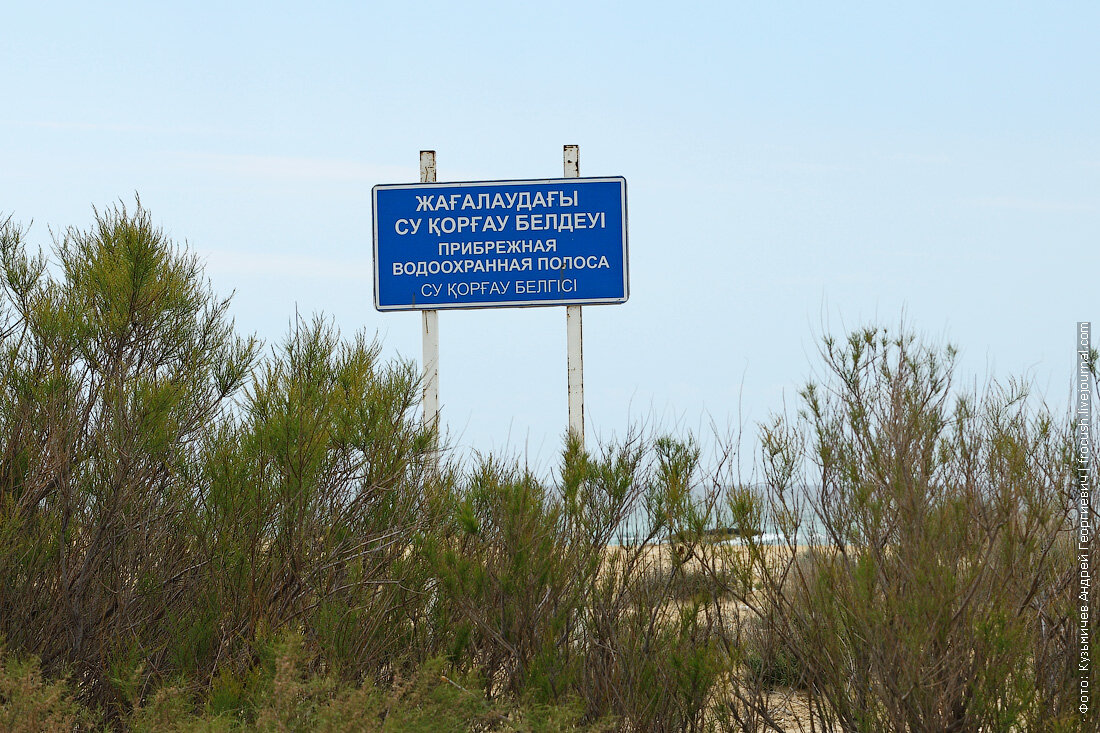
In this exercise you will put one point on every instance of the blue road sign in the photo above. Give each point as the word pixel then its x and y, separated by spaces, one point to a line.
pixel 494 244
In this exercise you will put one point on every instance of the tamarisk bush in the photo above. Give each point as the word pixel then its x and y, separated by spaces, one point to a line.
pixel 549 599
pixel 941 596
pixel 195 527
pixel 165 504
pixel 113 370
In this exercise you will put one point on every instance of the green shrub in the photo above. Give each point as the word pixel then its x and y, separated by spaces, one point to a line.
pixel 932 599
pixel 30 704
pixel 168 498
pixel 202 535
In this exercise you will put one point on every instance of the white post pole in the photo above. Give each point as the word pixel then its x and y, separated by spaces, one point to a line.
pixel 573 326
pixel 430 331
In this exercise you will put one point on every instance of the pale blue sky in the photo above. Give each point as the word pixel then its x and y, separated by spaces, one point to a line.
pixel 793 168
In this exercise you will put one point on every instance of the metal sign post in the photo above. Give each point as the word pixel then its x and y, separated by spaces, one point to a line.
pixel 430 331
pixel 574 325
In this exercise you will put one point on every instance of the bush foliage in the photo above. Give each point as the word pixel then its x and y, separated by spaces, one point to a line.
pixel 198 533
